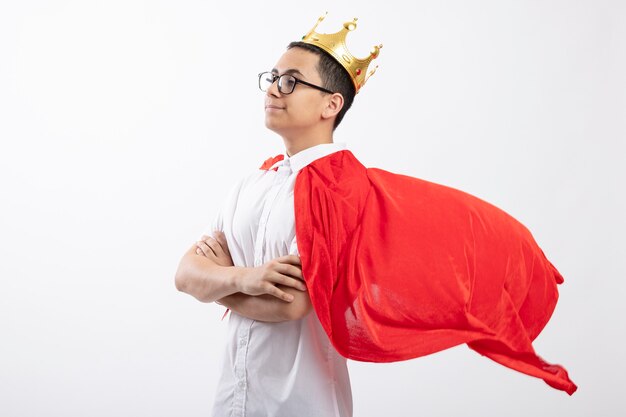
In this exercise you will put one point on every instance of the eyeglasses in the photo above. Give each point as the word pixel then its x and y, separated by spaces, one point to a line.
pixel 286 83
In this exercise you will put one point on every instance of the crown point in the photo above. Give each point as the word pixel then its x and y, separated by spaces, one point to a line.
pixel 350 25
pixel 375 51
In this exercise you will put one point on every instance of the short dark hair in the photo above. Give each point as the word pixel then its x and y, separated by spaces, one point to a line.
pixel 334 76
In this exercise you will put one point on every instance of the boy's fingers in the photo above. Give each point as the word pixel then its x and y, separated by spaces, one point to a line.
pixel 221 239
pixel 276 292
pixel 214 245
pixel 290 270
pixel 290 259
pixel 206 249
pixel 294 283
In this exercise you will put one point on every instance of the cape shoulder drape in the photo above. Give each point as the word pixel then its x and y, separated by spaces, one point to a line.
pixel 399 267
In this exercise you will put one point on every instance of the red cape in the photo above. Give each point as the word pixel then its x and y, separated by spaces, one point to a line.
pixel 399 267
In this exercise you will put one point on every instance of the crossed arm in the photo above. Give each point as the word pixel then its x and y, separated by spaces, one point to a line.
pixel 272 292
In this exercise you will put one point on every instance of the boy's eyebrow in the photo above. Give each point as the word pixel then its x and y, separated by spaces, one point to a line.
pixel 290 71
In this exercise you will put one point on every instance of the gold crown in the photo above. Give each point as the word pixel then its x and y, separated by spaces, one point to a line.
pixel 335 45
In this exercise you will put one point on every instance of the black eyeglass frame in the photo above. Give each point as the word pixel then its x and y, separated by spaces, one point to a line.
pixel 297 81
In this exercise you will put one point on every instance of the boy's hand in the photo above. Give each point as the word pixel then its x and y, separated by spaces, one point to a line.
pixel 263 279
pixel 215 249
pixel 267 278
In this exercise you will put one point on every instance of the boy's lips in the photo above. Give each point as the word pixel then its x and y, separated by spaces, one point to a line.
pixel 270 106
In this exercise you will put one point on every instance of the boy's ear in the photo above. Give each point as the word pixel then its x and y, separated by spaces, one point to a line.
pixel 333 106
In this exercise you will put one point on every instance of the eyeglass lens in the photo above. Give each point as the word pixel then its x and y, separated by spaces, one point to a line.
pixel 286 82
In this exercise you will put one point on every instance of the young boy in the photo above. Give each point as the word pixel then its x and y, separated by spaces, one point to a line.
pixel 279 360
pixel 395 267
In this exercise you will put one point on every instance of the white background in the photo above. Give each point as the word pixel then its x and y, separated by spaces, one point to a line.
pixel 123 124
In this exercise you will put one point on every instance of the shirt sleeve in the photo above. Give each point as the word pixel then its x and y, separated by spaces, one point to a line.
pixel 225 206
pixel 216 225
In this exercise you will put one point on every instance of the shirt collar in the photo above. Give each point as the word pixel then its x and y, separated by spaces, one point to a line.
pixel 306 156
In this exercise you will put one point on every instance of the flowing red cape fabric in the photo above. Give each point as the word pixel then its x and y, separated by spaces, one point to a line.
pixel 399 268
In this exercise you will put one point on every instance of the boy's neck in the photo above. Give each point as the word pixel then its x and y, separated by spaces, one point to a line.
pixel 300 142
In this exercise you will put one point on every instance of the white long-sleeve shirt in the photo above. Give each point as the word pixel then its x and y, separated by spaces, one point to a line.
pixel 282 369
